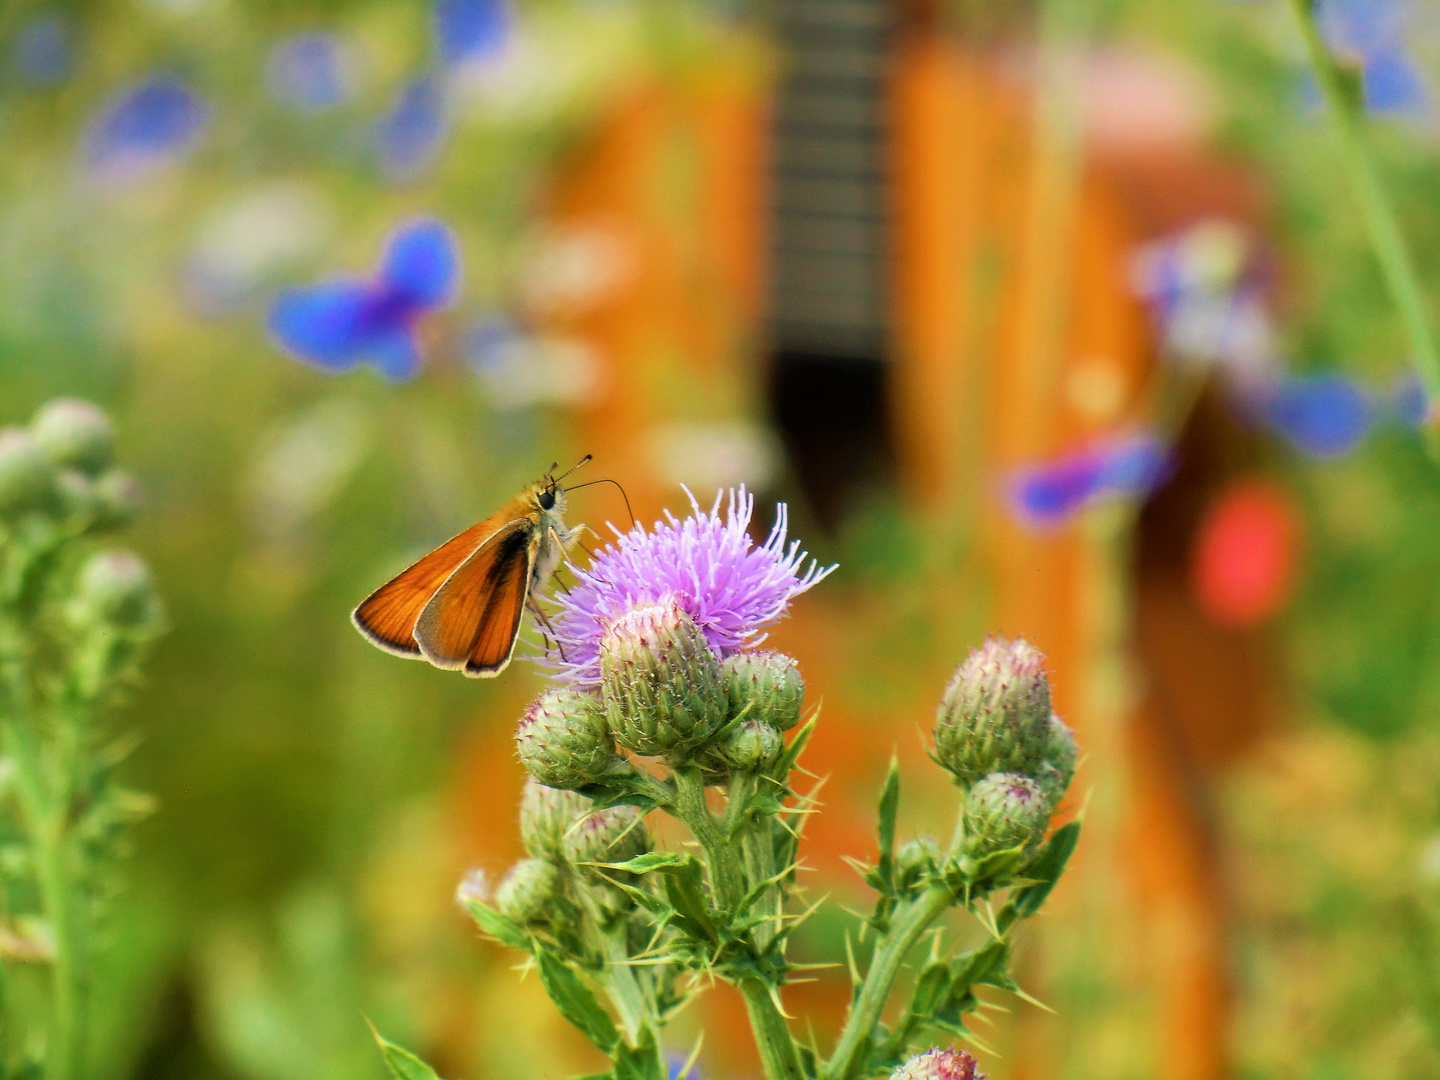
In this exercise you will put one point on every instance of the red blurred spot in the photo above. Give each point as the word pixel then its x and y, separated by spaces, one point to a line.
pixel 1243 570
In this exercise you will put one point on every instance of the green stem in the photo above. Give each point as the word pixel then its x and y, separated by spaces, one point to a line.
pixel 727 876
pixel 778 1053
pixel 905 930
pixel 45 824
pixel 1386 240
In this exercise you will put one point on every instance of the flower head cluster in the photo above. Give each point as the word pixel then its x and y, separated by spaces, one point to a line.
pixel 939 1065
pixel 707 565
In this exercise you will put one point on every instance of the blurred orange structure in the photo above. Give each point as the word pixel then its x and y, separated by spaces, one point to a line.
pixel 1014 336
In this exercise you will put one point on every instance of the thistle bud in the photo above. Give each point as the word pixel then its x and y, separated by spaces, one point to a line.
pixel 939 1065
pixel 474 888
pixel 769 683
pixel 75 434
pixel 546 815
pixel 119 496
pixel 918 854
pixel 607 836
pixel 527 890
pixel 995 714
pixel 563 740
pixel 115 586
pixel 1004 811
pixel 25 474
pixel 1058 768
pixel 752 747
pixel 660 681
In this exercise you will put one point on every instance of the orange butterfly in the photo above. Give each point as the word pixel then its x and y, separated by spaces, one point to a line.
pixel 460 606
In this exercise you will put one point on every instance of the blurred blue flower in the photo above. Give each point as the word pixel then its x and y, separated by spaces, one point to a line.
pixel 469 30
pixel 675 1069
pixel 44 50
pixel 1377 34
pixel 1409 403
pixel 144 126
pixel 310 72
pixel 410 135
pixel 344 322
pixel 1326 416
pixel 1131 466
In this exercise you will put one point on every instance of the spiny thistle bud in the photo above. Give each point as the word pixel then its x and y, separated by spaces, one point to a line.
pixel 25 474
pixel 752 746
pixel 917 854
pixel 474 888
pixel 769 683
pixel 660 681
pixel 995 715
pixel 77 494
pixel 1003 811
pixel 115 586
pixel 563 740
pixel 527 890
pixel 120 497
pixel 75 434
pixel 607 836
pixel 1058 768
pixel 546 815
pixel 939 1065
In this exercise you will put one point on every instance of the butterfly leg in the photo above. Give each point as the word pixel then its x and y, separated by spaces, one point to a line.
pixel 545 622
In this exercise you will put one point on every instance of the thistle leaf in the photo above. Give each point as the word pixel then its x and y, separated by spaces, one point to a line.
pixel 403 1065
pixel 576 1001
pixel 494 925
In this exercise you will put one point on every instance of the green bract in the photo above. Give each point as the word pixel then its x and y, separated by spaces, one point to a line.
pixel 613 835
pixel 546 815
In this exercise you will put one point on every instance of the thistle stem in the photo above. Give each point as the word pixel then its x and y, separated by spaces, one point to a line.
pixel 44 817
pixel 727 877
pixel 1386 240
pixel 778 1055
pixel 854 1044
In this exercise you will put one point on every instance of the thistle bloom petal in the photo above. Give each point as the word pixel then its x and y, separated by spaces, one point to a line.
pixel 730 587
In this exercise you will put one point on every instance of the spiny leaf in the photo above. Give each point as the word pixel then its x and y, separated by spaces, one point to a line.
pixel 1045 869
pixel 494 925
pixel 889 806
pixel 576 1001
pixel 403 1065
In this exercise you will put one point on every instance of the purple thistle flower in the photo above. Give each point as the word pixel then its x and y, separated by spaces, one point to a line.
pixel 708 565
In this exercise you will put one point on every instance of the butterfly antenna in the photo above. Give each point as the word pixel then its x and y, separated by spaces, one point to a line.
pixel 583 461
pixel 607 480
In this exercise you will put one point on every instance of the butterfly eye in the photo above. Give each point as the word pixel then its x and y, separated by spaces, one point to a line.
pixel 546 499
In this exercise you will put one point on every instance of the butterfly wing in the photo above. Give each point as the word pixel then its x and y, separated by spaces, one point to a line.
pixel 422 263
pixel 387 616
pixel 473 620
pixel 322 323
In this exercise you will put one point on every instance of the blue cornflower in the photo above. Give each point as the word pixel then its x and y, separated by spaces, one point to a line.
pixel 470 30
pixel 311 72
pixel 144 126
pixel 410 135
pixel 1048 494
pixel 44 50
pixel 339 324
pixel 1376 33
pixel 1326 416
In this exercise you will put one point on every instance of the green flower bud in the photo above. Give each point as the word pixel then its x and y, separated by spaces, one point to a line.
pixel 75 434
pixel 752 747
pixel 1003 811
pixel 939 1065
pixel 995 715
pixel 769 682
pixel 527 890
pixel 607 836
pixel 546 815
pixel 660 681
pixel 918 854
pixel 25 474
pixel 120 496
pixel 1058 768
pixel 115 586
pixel 563 740
pixel 76 493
